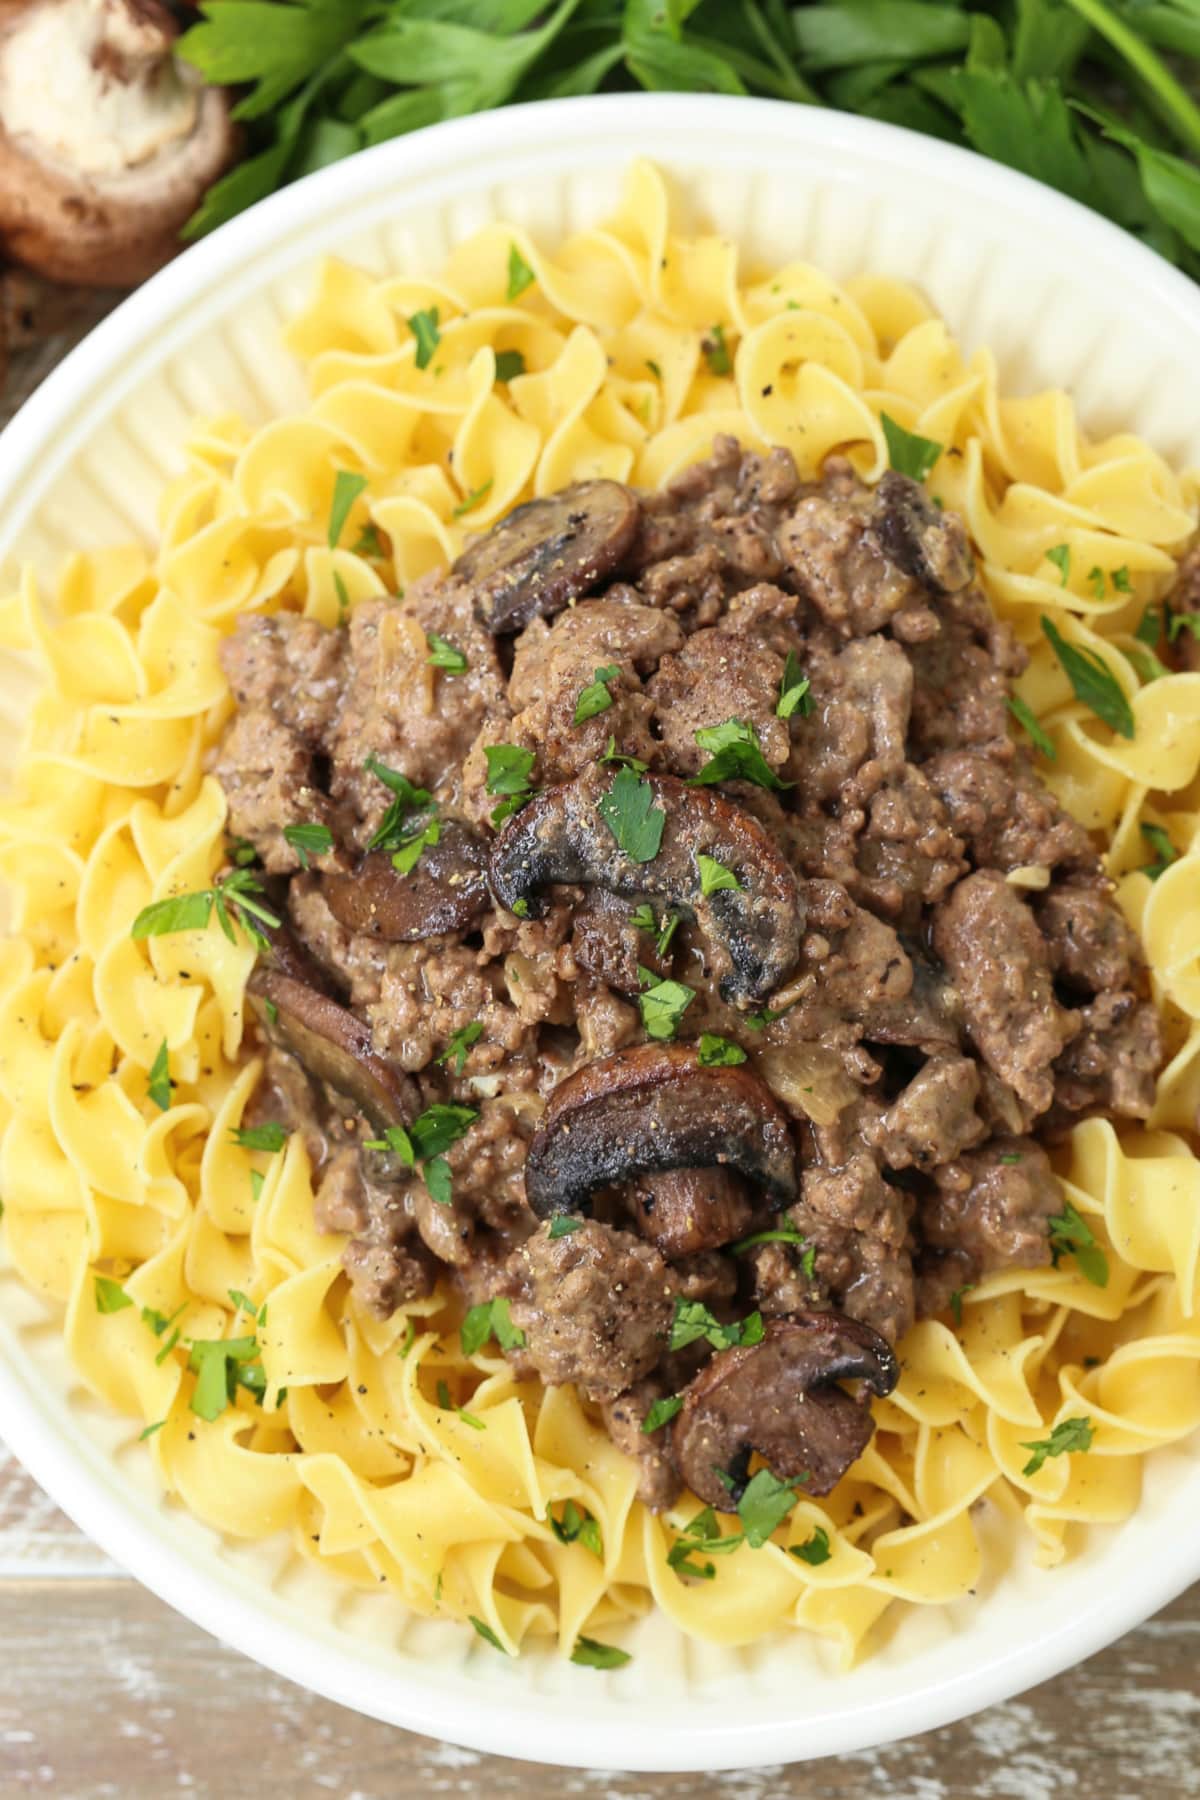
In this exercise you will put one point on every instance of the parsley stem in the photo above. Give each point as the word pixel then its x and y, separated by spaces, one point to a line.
pixel 1171 100
pixel 789 87
pixel 797 87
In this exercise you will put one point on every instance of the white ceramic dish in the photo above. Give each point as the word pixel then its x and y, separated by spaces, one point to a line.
pixel 1065 300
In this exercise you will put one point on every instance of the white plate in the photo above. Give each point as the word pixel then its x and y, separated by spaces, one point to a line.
pixel 1065 300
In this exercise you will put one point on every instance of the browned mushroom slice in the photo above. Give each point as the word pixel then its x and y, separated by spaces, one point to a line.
pixel 333 1046
pixel 549 552
pixel 651 1109
pixel 780 1398
pixel 447 891
pixel 682 1211
pixel 753 930
pixel 927 544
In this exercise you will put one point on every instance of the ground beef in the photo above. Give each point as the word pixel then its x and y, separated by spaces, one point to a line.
pixel 936 1017
pixel 1184 602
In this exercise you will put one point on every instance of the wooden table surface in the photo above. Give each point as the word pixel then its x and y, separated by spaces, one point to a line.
pixel 105 1692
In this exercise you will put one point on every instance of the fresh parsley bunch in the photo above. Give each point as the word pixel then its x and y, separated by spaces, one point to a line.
pixel 1094 97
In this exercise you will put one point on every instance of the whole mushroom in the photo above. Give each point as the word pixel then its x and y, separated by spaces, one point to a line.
pixel 107 141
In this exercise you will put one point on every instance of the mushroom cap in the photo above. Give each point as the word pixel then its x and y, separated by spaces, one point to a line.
pixel 650 1109
pixel 446 891
pixel 333 1046
pixel 753 930
pixel 780 1397
pixel 107 226
pixel 549 552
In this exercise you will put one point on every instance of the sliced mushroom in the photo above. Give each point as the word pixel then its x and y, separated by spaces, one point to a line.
pixel 927 544
pixel 682 1211
pixel 651 1109
pixel 107 142
pixel 549 552
pixel 753 930
pixel 780 1398
pixel 333 1046
pixel 447 891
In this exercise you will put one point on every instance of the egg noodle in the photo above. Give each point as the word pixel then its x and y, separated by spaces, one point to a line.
pixel 389 1455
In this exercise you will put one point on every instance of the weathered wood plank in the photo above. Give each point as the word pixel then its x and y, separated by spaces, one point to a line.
pixel 35 1538
pixel 105 1693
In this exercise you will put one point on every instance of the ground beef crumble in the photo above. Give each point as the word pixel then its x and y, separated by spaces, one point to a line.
pixel 939 1024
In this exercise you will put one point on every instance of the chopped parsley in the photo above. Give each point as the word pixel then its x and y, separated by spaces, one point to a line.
pixel 447 1405
pixel 233 893
pixel 765 1504
pixel 490 1319
pixel 410 1338
pixel 424 327
pixel 782 1234
pixel 222 1366
pixel 423 1143
pixel 472 500
pixel 908 453
pixel 693 1321
pixel 595 697
pixel 159 1084
pixel 794 690
pixel 714 876
pixel 243 1303
pixel 459 1044
pixel 410 824
pixel 150 1430
pixel 445 655
pixel 509 364
pixel 487 1634
pixel 816 1551
pixel 1071 1235
pixel 1164 850
pixel 347 486
pixel 1068 1436
pixel 1027 719
pixel 715 1052
pixel 368 542
pixel 270 1137
pixel 110 1295
pixel 589 1653
pixel 565 1224
pixel 343 596
pixel 509 767
pixel 613 755
pixel 629 811
pixel 577 1526
pixel 766 1015
pixel 1178 623
pixel 956 1300
pixel 661 1412
pixel 308 840
pixel 1092 681
pixel 663 1006
pixel 643 918
pixel 1060 556
pixel 1121 580
pixel 256 1184
pixel 1098 580
pixel 520 275
pixel 701 1536
pixel 716 351
pixel 735 754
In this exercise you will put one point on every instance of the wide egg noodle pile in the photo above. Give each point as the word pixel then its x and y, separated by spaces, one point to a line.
pixel 393 1459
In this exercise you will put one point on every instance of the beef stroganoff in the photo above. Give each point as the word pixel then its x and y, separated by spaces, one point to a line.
pixel 601 1005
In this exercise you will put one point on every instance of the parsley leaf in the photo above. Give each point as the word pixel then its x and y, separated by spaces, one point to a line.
pixel 629 811
pixel 701 1536
pixel 424 327
pixel 595 697
pixel 1027 719
pixel 221 1366
pixel 693 1321
pixel 716 351
pixel 309 840
pixel 816 1551
pixel 347 486
pixel 491 1318
pixel 520 275
pixel 908 453
pixel 270 1137
pixel 735 754
pixel 794 694
pixel 564 1224
pixel 714 876
pixel 1164 850
pixel 445 655
pixel 1060 556
pixel 1098 580
pixel 460 1042
pixel 487 1634
pixel 956 1300
pixel 663 1006
pixel 509 364
pixel 1092 681
pixel 471 501
pixel 410 1338
pixel 191 912
pixel 765 1504
pixel 110 1295
pixel 508 770
pixel 424 1142
pixel 151 1430
pixel 1068 1436
pixel 577 1526
pixel 715 1052
pixel 368 542
pixel 589 1653
pixel 159 1083
pixel 613 755
pixel 1071 1235
pixel 782 1234
pixel 643 918
pixel 399 830
pixel 661 1412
